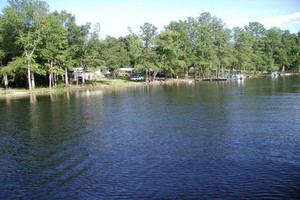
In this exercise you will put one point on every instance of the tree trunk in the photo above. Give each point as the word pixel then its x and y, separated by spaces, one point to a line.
pixel 147 77
pixel 66 77
pixel 50 74
pixel 83 79
pixel 154 75
pixel 29 75
pixel 222 69
pixel 186 72
pixel 5 79
pixel 32 81
pixel 50 80
pixel 55 78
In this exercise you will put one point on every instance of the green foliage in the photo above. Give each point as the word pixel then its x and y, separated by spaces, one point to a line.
pixel 115 54
pixel 168 51
pixel 148 58
pixel 34 41
pixel 16 67
pixel 93 58
pixel 148 35
pixel 243 42
pixel 17 64
pixel 26 18
pixel 134 47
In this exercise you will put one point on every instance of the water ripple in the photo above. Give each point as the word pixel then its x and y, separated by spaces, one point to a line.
pixel 203 141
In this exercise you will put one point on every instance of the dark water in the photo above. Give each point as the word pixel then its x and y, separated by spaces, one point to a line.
pixel 203 141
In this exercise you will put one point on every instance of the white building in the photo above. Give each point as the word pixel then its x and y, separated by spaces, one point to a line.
pixel 125 71
pixel 80 75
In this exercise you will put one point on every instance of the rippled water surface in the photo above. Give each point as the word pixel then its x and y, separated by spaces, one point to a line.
pixel 207 140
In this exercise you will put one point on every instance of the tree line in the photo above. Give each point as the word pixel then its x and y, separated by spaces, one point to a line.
pixel 39 47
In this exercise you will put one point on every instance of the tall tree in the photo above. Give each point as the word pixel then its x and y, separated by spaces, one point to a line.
pixel 54 46
pixel 204 50
pixel 185 46
pixel 290 50
pixel 10 51
pixel 93 55
pixel 257 32
pixel 148 34
pixel 273 48
pixel 134 47
pixel 27 18
pixel 68 22
pixel 168 50
pixel 2 56
pixel 221 38
pixel 77 37
pixel 243 42
pixel 115 54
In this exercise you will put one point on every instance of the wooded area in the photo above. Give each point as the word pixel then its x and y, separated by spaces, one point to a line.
pixel 39 47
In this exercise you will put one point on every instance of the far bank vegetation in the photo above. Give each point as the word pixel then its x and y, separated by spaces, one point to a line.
pixel 40 48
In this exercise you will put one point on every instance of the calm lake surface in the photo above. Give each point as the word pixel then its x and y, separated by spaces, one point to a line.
pixel 206 140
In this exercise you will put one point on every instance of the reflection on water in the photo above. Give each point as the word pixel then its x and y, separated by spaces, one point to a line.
pixel 209 140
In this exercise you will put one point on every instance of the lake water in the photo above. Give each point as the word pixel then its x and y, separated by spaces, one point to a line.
pixel 206 140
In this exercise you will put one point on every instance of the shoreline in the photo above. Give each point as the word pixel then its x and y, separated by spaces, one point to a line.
pixel 103 84
pixel 98 84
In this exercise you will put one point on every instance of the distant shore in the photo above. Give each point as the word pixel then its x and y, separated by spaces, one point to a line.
pixel 102 84
pixel 106 83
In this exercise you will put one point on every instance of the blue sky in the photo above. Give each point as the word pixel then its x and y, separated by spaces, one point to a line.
pixel 115 16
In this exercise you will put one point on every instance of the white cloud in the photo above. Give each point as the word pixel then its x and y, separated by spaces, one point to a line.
pixel 283 21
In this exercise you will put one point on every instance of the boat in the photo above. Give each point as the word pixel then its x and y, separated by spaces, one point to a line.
pixel 239 77
pixel 214 79
pixel 270 74
pixel 236 75
pixel 219 79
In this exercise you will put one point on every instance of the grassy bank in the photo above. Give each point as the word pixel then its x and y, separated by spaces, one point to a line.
pixel 102 83
pixel 96 84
